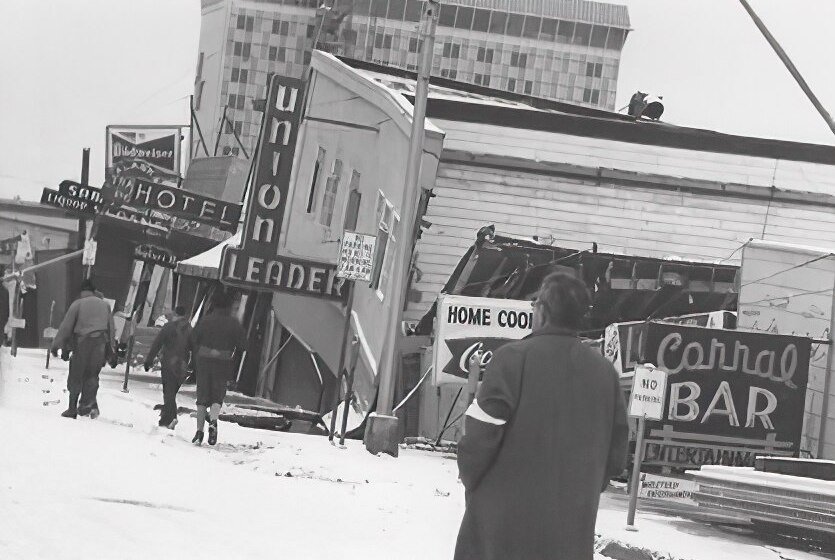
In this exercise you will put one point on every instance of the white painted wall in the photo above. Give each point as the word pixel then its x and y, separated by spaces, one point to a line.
pixel 789 290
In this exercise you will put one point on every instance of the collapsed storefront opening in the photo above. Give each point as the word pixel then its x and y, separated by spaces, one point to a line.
pixel 623 287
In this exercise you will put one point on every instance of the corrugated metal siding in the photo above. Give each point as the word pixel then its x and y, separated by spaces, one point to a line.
pixel 622 219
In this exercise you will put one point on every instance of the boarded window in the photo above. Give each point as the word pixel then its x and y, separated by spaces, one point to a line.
pixel 352 208
pixel 330 194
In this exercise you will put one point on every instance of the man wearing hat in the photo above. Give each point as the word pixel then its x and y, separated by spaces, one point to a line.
pixel 88 330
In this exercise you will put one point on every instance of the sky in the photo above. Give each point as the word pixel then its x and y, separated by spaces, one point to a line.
pixel 70 68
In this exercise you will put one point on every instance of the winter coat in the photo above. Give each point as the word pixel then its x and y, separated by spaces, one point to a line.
pixel 87 315
pixel 174 339
pixel 215 337
pixel 546 432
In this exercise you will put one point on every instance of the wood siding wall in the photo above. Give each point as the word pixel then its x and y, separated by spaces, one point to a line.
pixel 645 221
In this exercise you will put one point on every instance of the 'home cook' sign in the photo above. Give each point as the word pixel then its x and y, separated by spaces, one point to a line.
pixel 466 325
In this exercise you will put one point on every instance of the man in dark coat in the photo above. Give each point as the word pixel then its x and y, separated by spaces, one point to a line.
pixel 174 339
pixel 546 432
pixel 216 338
pixel 87 329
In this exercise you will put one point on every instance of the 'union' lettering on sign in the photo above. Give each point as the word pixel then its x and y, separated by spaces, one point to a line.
pixel 255 265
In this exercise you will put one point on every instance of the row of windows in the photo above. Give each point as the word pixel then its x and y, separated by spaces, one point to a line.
pixel 495 21
pixel 240 75
pixel 324 204
pixel 518 58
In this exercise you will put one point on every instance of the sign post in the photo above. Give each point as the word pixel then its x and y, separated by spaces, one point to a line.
pixel 649 388
pixel 356 261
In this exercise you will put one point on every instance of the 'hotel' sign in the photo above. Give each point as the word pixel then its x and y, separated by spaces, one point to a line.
pixel 256 265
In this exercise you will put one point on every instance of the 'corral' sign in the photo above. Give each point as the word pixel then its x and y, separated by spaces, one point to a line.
pixel 731 394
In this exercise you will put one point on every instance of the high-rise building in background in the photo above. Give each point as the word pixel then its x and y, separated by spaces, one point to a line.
pixel 567 50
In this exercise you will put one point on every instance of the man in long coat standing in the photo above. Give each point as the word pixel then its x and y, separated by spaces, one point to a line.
pixel 547 430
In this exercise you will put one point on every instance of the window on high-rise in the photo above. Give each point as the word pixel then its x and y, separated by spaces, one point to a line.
pixel 518 59
pixel 250 23
pixel 615 38
pixel 582 34
pixel 242 49
pixel 591 96
pixel 482 79
pixel 307 56
pixel 528 87
pixel 565 32
pixel 498 21
pixel 447 15
pixel 464 20
pixel 378 40
pixel 515 23
pixel 484 55
pixel 241 24
pixel 549 29
pixel 396 9
pixel 598 36
pixel 594 69
pixel 235 74
pixel 311 29
pixel 244 76
pixel 413 10
pixel 511 84
pixel 413 45
pixel 532 25
pixel 276 27
pixel 451 50
pixel 481 20
pixel 387 41
pixel 285 28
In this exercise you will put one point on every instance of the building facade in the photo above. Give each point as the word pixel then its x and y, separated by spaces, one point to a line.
pixel 579 179
pixel 566 50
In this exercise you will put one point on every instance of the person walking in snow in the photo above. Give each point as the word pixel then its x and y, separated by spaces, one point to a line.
pixel 87 329
pixel 174 339
pixel 215 339
pixel 542 438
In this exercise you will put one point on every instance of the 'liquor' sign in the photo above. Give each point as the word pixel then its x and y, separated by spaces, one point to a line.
pixel 255 265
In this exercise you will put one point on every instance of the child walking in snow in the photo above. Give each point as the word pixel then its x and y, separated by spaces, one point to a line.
pixel 216 337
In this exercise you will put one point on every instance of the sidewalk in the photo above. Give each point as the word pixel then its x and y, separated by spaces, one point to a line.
pixel 134 490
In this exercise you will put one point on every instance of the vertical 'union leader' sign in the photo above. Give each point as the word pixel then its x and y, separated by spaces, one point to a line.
pixel 256 265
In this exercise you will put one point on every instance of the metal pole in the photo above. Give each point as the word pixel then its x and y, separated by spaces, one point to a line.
pixel 15 308
pixel 35 267
pixel 85 181
pixel 789 65
pixel 190 128
pixel 129 352
pixel 220 130
pixel 635 481
pixel 349 389
pixel 403 257
pixel 346 332
pixel 827 383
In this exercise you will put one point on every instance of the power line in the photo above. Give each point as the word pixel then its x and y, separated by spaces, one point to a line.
pixel 816 259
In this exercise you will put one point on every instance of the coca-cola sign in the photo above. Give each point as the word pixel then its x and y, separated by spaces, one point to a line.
pixel 470 325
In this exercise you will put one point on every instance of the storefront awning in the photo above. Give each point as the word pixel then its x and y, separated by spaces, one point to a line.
pixel 207 264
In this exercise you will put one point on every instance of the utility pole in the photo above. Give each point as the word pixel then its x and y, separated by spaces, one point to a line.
pixel 382 432
pixel 789 65
pixel 85 181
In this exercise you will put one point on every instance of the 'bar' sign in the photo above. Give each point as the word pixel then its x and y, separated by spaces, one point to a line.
pixel 255 265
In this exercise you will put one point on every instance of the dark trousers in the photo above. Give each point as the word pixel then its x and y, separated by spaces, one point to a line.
pixel 170 386
pixel 85 365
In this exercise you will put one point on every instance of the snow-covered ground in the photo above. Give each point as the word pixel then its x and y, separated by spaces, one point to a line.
pixel 121 487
